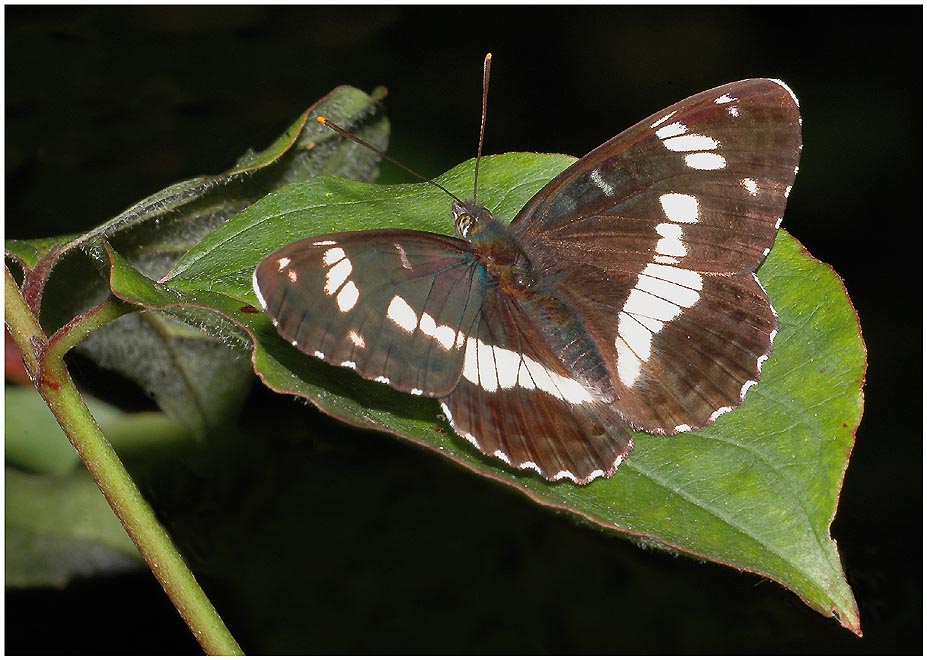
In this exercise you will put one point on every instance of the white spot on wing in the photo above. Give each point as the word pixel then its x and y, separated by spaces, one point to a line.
pixel 292 275
pixel 629 365
pixel 400 313
pixel 694 142
pixel 447 413
pixel 318 354
pixel 559 386
pixel 705 160
pixel 724 98
pixel 637 337
pixel 471 369
pixel 257 290
pixel 383 379
pixel 660 294
pixel 282 263
pixel 720 411
pixel 323 243
pixel 443 334
pixel 661 259
pixel 733 111
pixel 679 295
pixel 670 243
pixel 760 360
pixel 357 339
pixel 416 391
pixel 487 367
pixel 682 428
pixel 493 367
pixel 750 186
pixel 603 185
pixel 349 364
pixel 641 303
pixel 679 207
pixel 529 465
pixel 403 257
pixel 653 325
pixel 507 366
pixel 671 130
pixel 347 297
pixel 337 275
pixel 786 88
pixel 686 278
pixel 332 255
pixel 662 119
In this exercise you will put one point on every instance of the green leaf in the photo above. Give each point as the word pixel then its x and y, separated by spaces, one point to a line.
pixel 757 490
pixel 33 439
pixel 197 378
pixel 59 527
pixel 29 252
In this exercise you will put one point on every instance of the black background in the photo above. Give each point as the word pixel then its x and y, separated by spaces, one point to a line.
pixel 105 106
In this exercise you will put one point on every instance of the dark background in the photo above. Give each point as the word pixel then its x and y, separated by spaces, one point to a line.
pixel 402 552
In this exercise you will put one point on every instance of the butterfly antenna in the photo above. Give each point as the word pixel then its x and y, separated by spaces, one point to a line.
pixel 487 62
pixel 325 121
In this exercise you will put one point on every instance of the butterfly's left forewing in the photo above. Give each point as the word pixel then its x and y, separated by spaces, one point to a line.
pixel 395 306
pixel 701 185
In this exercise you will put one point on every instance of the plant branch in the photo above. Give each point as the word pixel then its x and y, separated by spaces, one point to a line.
pixel 45 365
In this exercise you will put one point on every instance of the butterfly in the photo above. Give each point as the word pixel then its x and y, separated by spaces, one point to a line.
pixel 622 296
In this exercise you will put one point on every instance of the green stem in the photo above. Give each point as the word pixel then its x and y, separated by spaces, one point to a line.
pixel 45 364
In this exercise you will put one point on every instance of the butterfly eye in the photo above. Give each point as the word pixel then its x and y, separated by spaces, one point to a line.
pixel 464 224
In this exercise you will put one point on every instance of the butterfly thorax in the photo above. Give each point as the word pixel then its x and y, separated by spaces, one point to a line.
pixel 494 246
pixel 560 327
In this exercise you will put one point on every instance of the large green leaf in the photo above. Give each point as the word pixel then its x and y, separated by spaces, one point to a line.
pixel 757 490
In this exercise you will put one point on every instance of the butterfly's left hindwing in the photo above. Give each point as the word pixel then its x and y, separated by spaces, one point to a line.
pixel 516 400
pixel 395 306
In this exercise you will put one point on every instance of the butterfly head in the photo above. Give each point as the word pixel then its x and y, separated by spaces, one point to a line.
pixel 493 245
pixel 470 218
